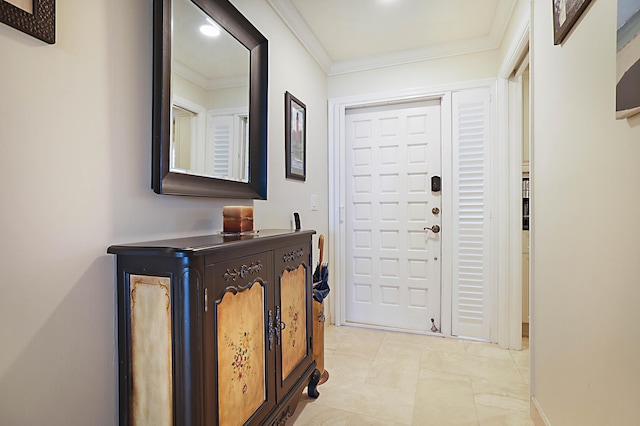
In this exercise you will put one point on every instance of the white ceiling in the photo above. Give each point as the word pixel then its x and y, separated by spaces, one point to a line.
pixel 197 58
pixel 352 35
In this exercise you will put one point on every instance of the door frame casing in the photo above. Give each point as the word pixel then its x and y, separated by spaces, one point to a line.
pixel 337 183
pixel 511 128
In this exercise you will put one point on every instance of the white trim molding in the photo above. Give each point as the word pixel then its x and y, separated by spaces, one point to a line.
pixel 536 413
pixel 296 23
pixel 510 229
pixel 292 19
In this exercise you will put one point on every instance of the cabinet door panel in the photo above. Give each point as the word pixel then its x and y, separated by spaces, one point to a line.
pixel 293 313
pixel 237 348
pixel 152 385
pixel 294 354
pixel 242 387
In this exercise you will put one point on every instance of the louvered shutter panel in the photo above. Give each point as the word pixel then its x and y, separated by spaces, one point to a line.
pixel 471 215
pixel 219 148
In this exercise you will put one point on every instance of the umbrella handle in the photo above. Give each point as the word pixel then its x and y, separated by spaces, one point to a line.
pixel 321 247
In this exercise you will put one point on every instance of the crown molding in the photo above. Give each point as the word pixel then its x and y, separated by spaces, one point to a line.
pixel 292 19
pixel 206 83
pixel 413 55
pixel 518 49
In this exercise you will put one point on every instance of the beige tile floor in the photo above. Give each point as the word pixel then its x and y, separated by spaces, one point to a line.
pixel 384 378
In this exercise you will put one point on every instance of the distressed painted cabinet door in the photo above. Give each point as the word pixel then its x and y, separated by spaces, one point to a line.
pixel 237 340
pixel 293 308
pixel 150 311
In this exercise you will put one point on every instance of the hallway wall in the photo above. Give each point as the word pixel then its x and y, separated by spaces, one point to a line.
pixel 75 128
pixel 430 73
pixel 292 69
pixel 585 228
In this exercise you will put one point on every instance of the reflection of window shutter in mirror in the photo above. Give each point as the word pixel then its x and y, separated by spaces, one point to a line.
pixel 219 137
pixel 242 150
pixel 471 213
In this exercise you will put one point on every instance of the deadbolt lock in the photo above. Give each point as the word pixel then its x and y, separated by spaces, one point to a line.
pixel 435 210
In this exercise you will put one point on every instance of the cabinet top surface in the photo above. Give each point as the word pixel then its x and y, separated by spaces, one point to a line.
pixel 193 245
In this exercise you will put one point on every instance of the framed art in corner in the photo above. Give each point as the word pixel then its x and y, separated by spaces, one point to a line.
pixel 565 15
pixel 628 59
pixel 34 17
pixel 295 137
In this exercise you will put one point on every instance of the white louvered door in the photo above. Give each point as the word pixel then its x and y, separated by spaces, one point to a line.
pixel 471 290
pixel 392 264
pixel 219 145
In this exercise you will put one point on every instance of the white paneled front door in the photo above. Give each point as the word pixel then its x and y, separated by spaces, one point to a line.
pixel 392 264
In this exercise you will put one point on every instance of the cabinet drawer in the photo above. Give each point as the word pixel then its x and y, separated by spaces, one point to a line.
pixel 292 256
pixel 239 272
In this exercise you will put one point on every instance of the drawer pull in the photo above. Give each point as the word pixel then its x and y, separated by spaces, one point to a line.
pixel 271 329
pixel 277 325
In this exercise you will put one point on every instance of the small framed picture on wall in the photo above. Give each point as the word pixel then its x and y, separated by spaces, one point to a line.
pixel 628 59
pixel 34 17
pixel 565 15
pixel 295 137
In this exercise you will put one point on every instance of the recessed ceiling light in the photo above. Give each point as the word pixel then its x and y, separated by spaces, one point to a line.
pixel 210 30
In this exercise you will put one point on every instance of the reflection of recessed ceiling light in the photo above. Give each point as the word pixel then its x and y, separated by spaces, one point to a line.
pixel 210 30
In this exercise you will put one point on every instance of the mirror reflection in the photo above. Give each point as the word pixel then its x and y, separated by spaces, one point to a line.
pixel 210 98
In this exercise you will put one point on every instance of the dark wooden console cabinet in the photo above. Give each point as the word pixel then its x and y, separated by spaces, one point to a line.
pixel 215 330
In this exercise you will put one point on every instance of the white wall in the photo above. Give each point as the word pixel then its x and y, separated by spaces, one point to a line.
pixel 431 73
pixel 75 122
pixel 585 325
pixel 187 89
pixel 228 97
pixel 292 69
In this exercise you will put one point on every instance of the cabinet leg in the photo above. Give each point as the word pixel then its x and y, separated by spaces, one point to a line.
pixel 312 390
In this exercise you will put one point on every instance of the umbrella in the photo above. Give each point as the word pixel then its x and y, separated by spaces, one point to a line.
pixel 321 276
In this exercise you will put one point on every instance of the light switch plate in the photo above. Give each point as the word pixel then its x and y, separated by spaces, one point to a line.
pixel 314 202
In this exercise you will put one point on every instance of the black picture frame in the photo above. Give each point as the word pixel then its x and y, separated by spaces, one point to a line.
pixel 41 23
pixel 295 137
pixel 565 15
pixel 627 61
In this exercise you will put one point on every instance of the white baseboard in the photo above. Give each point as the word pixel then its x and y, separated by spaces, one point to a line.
pixel 539 419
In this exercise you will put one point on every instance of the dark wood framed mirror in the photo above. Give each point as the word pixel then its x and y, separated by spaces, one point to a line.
pixel 197 86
